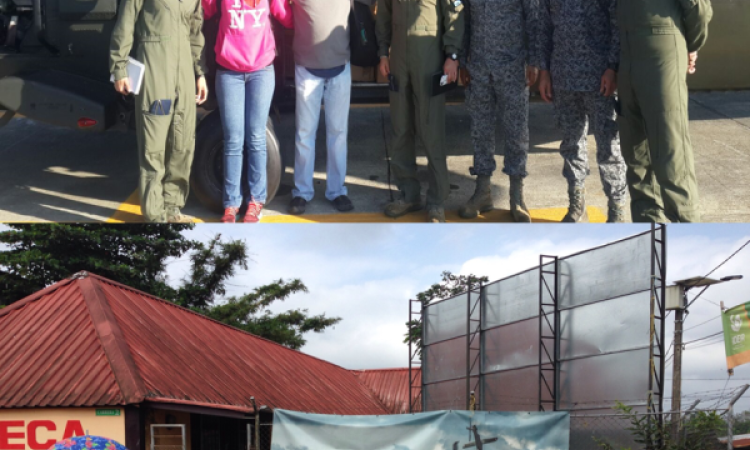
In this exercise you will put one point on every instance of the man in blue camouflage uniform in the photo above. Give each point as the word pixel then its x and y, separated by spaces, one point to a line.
pixel 580 46
pixel 501 61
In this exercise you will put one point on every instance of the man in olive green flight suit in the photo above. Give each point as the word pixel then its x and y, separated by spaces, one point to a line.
pixel 658 44
pixel 169 41
pixel 424 38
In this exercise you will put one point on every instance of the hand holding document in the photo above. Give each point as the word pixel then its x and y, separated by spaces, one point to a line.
pixel 136 70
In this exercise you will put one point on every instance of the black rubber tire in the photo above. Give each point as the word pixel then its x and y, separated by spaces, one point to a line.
pixel 207 173
pixel 5 117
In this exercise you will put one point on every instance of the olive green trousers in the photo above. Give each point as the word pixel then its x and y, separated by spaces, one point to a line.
pixel 418 117
pixel 166 145
pixel 653 123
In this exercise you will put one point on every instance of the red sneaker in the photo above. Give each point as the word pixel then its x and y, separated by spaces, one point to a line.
pixel 230 215
pixel 253 213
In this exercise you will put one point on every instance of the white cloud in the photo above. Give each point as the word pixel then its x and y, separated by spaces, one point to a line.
pixel 517 257
pixel 366 274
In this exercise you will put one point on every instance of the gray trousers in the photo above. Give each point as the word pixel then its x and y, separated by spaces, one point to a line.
pixel 574 111
pixel 506 89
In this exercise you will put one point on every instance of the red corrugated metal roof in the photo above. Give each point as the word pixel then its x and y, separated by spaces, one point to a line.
pixel 739 441
pixel 51 354
pixel 391 386
pixel 91 341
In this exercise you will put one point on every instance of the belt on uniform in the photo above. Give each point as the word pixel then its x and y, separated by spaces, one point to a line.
pixel 424 28
pixel 650 31
pixel 152 38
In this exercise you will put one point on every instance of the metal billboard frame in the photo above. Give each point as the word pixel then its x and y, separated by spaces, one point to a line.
pixel 550 331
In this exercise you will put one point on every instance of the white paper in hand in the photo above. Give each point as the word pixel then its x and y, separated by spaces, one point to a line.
pixel 136 70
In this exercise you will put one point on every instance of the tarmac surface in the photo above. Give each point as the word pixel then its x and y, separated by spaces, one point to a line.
pixel 55 174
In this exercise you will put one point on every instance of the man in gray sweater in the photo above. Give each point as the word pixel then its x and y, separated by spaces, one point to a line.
pixel 322 73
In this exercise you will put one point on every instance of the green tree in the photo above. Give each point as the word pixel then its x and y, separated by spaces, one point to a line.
pixel 697 432
pixel 741 423
pixel 250 313
pixel 35 256
pixel 450 285
pixel 41 254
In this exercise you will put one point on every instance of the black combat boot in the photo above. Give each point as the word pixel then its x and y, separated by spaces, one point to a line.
pixel 435 214
pixel 577 209
pixel 481 201
pixel 615 211
pixel 517 205
pixel 400 206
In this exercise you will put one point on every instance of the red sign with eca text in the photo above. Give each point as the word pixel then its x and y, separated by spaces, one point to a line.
pixel 21 434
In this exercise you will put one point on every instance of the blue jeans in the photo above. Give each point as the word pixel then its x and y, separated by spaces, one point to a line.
pixel 335 94
pixel 244 101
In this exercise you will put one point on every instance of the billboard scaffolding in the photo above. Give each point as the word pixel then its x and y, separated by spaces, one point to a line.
pixel 576 333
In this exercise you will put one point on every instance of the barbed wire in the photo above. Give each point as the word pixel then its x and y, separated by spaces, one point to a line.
pixel 723 389
pixel 709 391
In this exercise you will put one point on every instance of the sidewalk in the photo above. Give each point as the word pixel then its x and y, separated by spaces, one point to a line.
pixel 719 124
pixel 54 174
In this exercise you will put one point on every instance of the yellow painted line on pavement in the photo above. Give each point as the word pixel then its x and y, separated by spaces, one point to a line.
pixel 129 211
pixel 495 216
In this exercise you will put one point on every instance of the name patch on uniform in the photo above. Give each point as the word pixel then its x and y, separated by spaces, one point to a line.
pixel 664 30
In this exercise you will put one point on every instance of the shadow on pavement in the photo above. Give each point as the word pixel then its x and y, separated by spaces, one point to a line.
pixel 58 174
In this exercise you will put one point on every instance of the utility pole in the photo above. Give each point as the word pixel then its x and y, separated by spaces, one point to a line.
pixel 677 370
pixel 679 319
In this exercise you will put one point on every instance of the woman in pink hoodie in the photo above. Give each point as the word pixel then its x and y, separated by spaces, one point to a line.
pixel 245 82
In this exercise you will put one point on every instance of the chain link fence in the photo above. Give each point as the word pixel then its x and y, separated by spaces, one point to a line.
pixel 688 430
pixel 265 430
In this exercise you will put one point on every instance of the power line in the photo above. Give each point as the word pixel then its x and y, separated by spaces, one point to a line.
pixel 707 343
pixel 726 260
pixel 714 392
pixel 706 299
pixel 704 337
pixel 702 323
pixel 714 379
pixel 715 269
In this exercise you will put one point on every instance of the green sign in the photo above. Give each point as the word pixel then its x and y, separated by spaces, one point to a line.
pixel 736 325
pixel 107 412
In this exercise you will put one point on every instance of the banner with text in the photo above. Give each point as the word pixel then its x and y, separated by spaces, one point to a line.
pixel 737 335
pixel 40 428
pixel 439 430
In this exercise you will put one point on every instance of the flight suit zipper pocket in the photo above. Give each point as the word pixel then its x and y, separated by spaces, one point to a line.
pixel 664 30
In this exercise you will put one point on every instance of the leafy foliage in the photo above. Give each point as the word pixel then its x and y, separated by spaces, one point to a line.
pixel 38 255
pixel 741 423
pixel 699 431
pixel 35 256
pixel 450 285
pixel 250 313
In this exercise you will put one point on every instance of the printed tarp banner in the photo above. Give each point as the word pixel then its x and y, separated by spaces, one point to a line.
pixel 439 430
pixel 737 335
